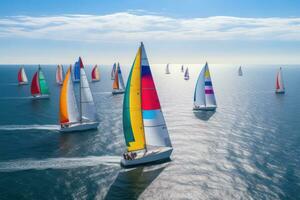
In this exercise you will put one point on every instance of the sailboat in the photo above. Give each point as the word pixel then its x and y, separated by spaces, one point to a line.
pixel 72 118
pixel 204 97
pixel 144 126
pixel 22 78
pixel 113 71
pixel 118 85
pixel 186 74
pixel 59 74
pixel 240 72
pixel 95 74
pixel 182 68
pixel 76 75
pixel 279 83
pixel 167 69
pixel 39 87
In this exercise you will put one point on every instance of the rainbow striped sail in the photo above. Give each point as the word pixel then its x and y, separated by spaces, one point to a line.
pixel 143 121
pixel 204 97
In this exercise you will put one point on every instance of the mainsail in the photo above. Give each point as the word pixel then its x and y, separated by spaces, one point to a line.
pixel 68 106
pixel 87 106
pixel 143 122
pixel 113 71
pixel 118 83
pixel 95 74
pixel 76 75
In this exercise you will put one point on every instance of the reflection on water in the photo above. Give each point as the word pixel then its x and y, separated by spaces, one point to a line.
pixel 130 184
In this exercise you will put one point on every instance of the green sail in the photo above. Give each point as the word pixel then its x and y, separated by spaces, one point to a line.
pixel 43 85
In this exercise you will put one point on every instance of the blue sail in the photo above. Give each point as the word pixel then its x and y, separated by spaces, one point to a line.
pixel 76 72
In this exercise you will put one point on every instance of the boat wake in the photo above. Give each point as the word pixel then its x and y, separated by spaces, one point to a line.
pixel 14 98
pixel 30 127
pixel 58 163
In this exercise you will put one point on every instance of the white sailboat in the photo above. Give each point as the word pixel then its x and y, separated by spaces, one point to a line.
pixel 22 78
pixel 167 69
pixel 279 83
pixel 240 71
pixel 204 97
pixel 145 131
pixel 72 118
pixel 186 74
pixel 118 84
pixel 182 68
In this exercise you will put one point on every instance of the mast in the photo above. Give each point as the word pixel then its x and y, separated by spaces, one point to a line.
pixel 141 58
pixel 80 106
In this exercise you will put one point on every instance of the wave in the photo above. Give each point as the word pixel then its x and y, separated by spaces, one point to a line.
pixel 30 127
pixel 58 163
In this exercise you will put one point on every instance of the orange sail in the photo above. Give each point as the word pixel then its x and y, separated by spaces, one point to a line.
pixel 116 81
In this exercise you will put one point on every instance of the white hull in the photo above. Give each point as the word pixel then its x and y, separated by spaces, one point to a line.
pixel 118 91
pixel 46 96
pixel 80 127
pixel 205 108
pixel 153 155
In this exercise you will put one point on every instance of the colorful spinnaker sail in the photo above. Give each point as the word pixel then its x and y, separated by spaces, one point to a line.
pixel 186 74
pixel 118 83
pixel 59 74
pixel 143 121
pixel 22 78
pixel 95 74
pixel 204 96
pixel 39 86
pixel 279 82
pixel 113 71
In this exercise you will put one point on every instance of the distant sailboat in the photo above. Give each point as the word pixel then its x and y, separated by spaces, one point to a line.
pixel 39 87
pixel 182 68
pixel 279 83
pixel 118 84
pixel 72 118
pixel 22 78
pixel 113 71
pixel 186 74
pixel 167 69
pixel 146 134
pixel 59 74
pixel 240 72
pixel 95 74
pixel 204 97
pixel 76 70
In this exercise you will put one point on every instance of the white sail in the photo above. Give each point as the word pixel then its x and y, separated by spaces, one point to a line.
pixel 279 82
pixel 24 77
pixel 210 99
pixel 199 94
pixel 59 74
pixel 240 72
pixel 156 132
pixel 167 69
pixel 120 77
pixel 88 110
pixel 186 74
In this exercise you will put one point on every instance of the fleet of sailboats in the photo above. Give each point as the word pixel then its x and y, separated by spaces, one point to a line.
pixel 279 83
pixel 39 87
pixel 118 84
pixel 204 97
pixel 95 74
pixel 59 74
pixel 240 71
pixel 73 118
pixel 186 74
pixel 22 78
pixel 145 131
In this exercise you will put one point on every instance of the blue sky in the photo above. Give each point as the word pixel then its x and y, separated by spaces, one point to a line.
pixel 174 31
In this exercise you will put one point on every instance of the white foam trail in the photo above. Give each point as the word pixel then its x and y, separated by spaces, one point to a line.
pixel 58 163
pixel 14 98
pixel 30 127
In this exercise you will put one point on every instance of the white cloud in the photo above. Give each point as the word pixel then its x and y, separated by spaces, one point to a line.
pixel 127 26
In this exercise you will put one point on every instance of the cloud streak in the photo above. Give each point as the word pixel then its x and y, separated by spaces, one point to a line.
pixel 128 26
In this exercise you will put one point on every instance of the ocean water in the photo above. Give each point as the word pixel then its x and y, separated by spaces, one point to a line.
pixel 247 149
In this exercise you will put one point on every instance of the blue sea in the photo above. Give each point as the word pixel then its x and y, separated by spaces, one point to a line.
pixel 248 149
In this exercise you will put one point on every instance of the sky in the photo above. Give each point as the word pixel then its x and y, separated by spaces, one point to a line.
pixel 174 31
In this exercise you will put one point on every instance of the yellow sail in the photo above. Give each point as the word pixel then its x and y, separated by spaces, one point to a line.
pixel 132 114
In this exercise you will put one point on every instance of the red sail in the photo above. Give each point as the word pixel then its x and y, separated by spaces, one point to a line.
pixel 277 82
pixel 20 75
pixel 35 88
pixel 94 73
